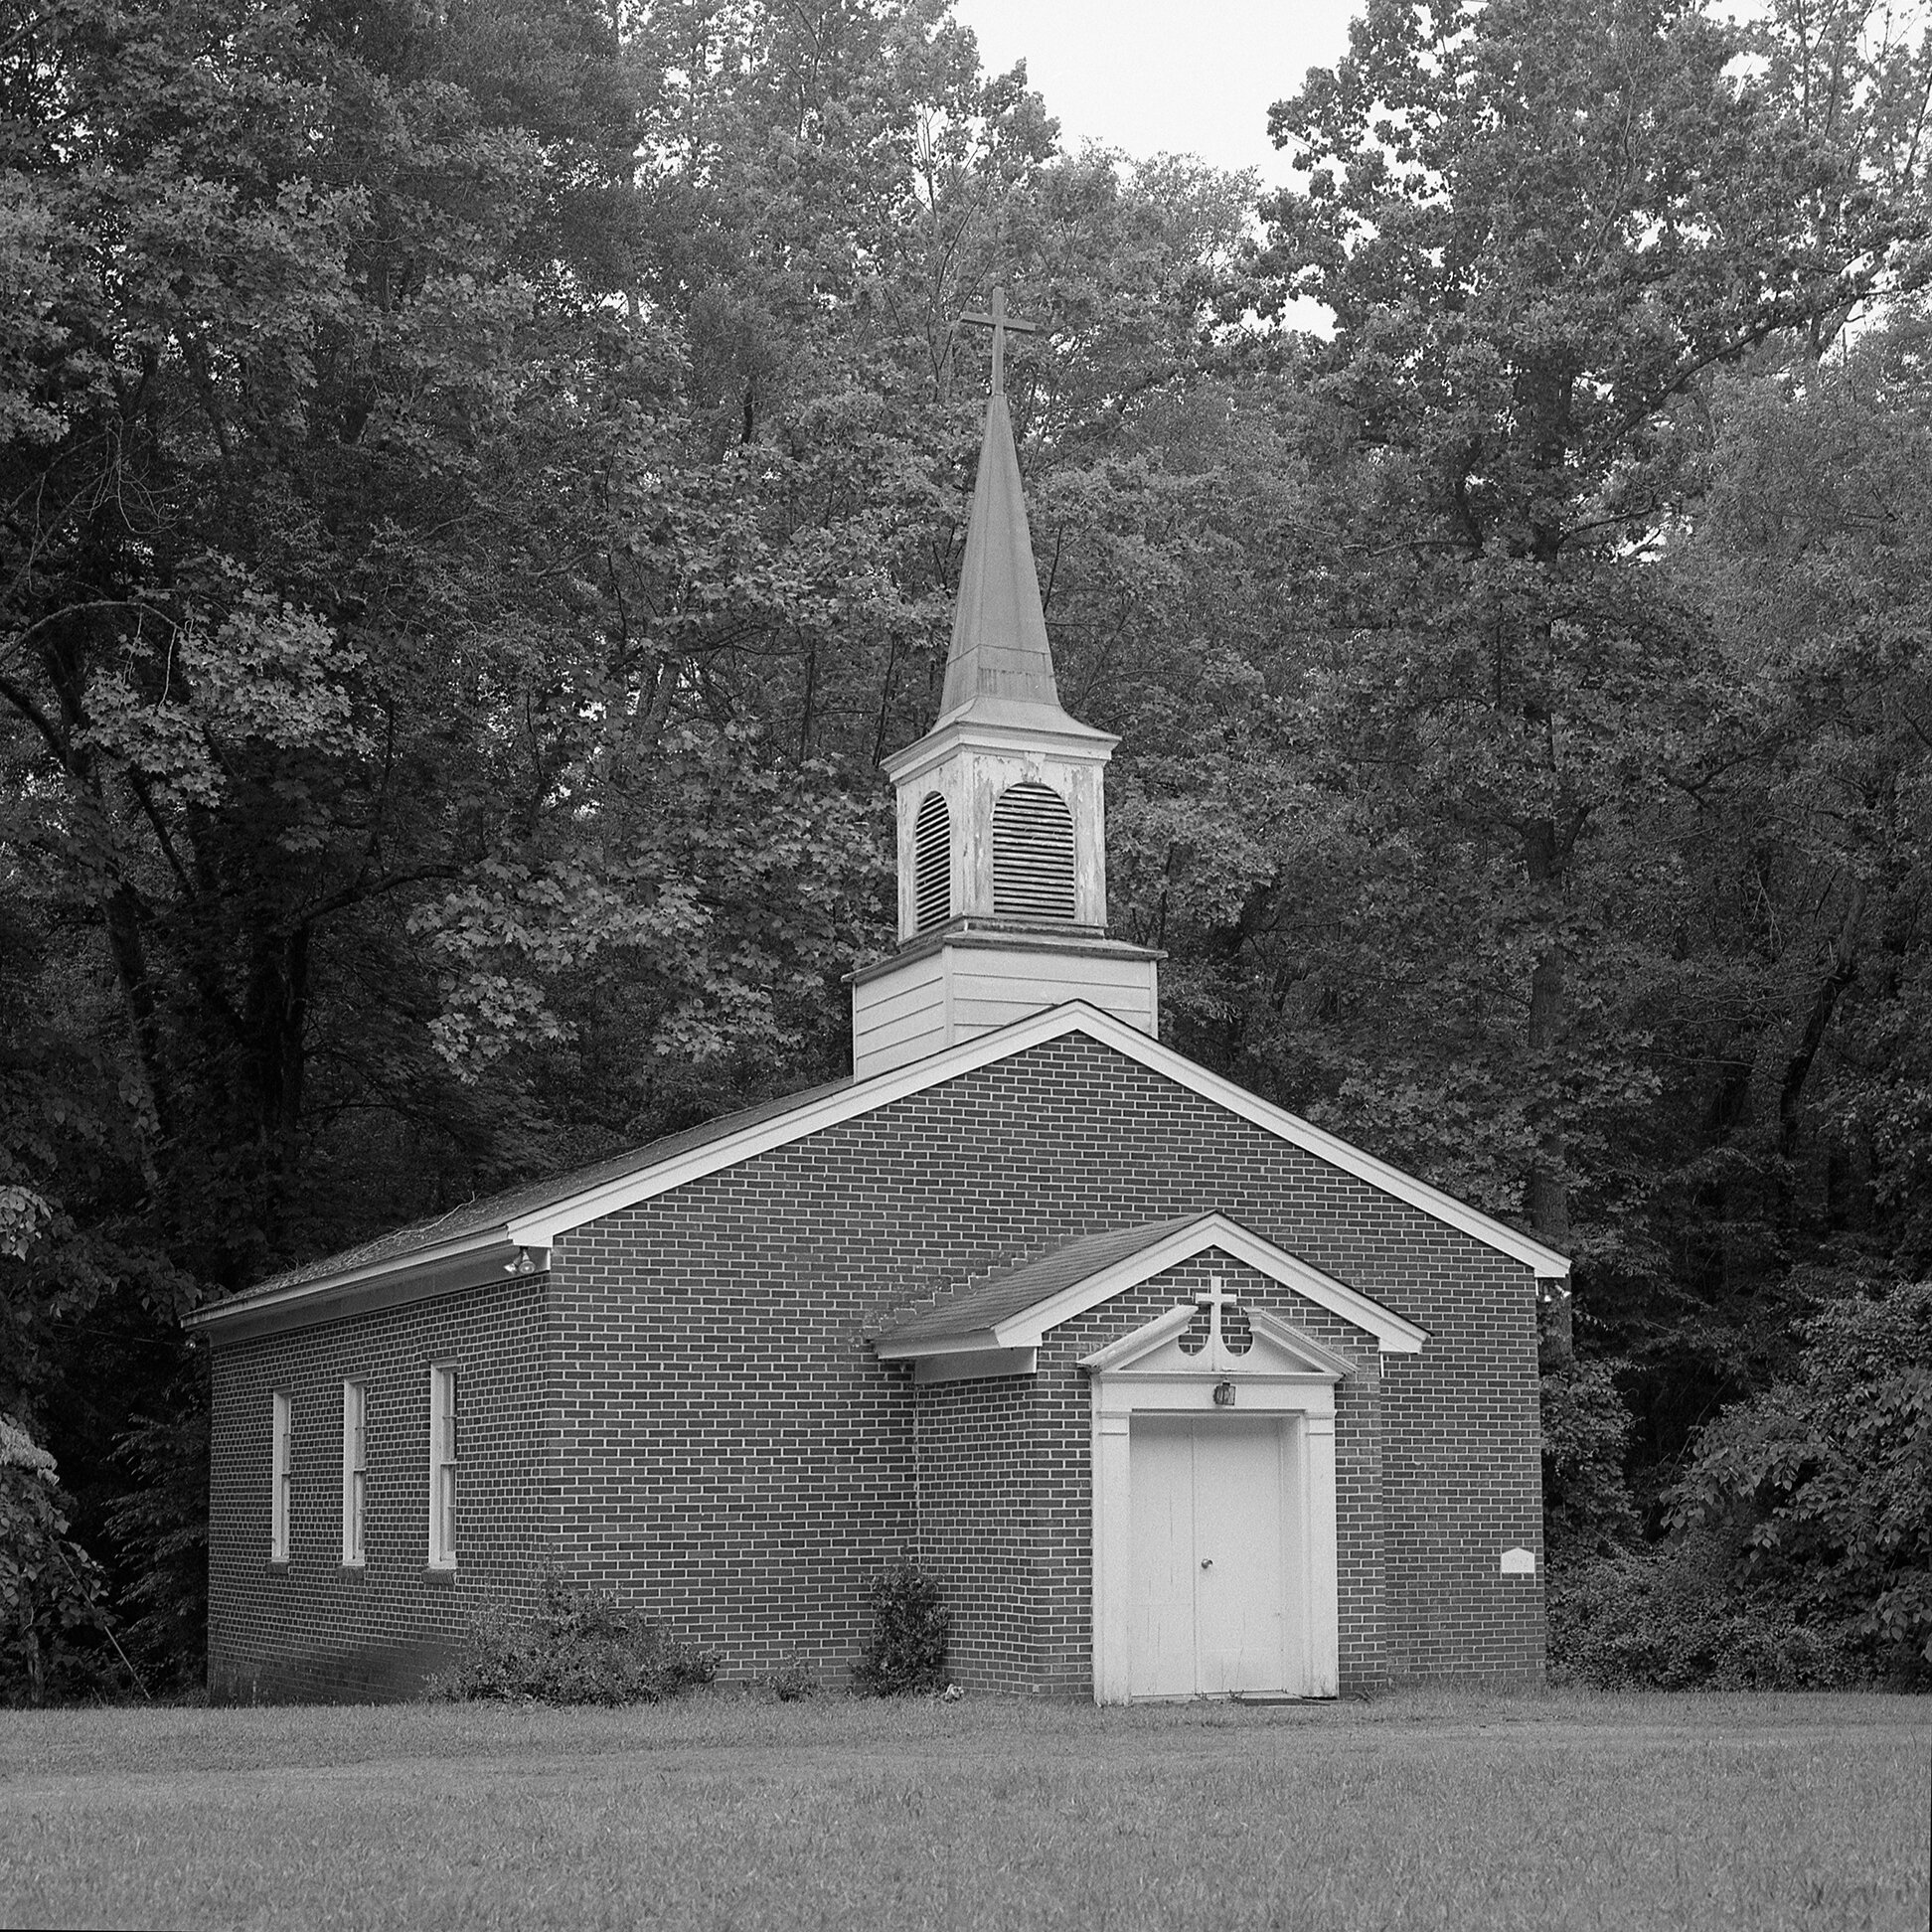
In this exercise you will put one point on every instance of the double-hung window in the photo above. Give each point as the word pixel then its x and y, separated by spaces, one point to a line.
pixel 442 1466
pixel 354 1470
pixel 281 1476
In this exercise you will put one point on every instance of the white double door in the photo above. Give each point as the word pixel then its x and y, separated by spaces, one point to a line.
pixel 1211 1573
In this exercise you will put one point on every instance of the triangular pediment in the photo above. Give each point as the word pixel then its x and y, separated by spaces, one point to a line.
pixel 1275 1346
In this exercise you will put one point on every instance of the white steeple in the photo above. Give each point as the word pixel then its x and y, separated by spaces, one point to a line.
pixel 1002 817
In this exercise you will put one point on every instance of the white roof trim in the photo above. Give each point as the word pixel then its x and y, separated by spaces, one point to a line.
pixel 543 1226
pixel 539 1229
pixel 482 1242
pixel 972 1342
pixel 1394 1334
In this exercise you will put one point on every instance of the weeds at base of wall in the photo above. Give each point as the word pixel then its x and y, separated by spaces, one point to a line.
pixel 583 1648
pixel 911 1631
pixel 794 1681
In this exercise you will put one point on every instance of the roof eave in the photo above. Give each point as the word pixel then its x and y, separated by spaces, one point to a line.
pixel 989 730
pixel 480 1255
pixel 889 1347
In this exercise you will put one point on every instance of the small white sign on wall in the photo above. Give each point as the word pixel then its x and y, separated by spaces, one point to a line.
pixel 1519 1561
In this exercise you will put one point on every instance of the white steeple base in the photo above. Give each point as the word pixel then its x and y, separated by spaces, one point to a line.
pixel 973 977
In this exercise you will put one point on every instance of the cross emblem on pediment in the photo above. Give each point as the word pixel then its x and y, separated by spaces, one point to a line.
pixel 1215 1298
pixel 1217 1349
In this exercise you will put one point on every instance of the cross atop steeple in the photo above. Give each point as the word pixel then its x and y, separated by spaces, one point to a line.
pixel 1000 322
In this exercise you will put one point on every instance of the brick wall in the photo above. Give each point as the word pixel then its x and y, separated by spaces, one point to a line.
pixel 983 1515
pixel 735 1310
pixel 318 1630
pixel 730 1455
pixel 1462 1475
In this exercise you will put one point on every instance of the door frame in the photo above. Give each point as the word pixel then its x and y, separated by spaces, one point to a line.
pixel 1299 1391
pixel 1286 1448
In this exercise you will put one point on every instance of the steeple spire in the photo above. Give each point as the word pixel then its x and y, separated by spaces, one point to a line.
pixel 1000 668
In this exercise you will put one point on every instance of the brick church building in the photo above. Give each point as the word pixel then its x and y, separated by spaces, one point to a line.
pixel 1175 1393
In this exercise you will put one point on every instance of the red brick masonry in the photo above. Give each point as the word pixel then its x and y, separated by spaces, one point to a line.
pixel 686 1408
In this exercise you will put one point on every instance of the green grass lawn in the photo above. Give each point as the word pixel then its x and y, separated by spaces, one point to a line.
pixel 1423 1809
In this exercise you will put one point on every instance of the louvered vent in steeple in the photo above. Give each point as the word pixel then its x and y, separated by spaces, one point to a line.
pixel 933 863
pixel 1033 854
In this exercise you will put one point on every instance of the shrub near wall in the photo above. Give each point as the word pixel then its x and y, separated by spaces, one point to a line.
pixel 1628 1615
pixel 1672 1618
pixel 583 1648
pixel 911 1632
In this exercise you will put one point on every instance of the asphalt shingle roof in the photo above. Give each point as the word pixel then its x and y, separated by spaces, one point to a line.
pixel 497 1210
pixel 1011 1291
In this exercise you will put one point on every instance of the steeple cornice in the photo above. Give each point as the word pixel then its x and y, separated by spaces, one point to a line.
pixel 987 730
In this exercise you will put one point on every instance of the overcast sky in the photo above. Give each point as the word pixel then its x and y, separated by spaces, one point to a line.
pixel 1175 75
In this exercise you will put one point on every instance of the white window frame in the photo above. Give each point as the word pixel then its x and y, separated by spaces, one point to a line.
pixel 281 1474
pixel 443 1444
pixel 355 1473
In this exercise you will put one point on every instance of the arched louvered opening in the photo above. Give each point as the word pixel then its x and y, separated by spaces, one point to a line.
pixel 932 863
pixel 1033 854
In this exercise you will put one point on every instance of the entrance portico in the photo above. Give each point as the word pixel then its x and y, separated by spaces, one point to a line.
pixel 1211 1447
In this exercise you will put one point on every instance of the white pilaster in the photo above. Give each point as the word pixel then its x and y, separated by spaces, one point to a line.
pixel 1323 1583
pixel 1113 1552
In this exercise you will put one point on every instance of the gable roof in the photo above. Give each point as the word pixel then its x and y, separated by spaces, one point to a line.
pixel 460 1228
pixel 812 1113
pixel 1013 1308
pixel 1011 1291
pixel 516 1229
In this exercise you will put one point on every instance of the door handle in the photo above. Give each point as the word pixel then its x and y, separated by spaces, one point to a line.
pixel 1206 1562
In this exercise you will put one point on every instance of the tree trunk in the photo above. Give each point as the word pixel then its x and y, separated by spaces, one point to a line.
pixel 1818 1019
pixel 121 917
pixel 1546 1198
pixel 276 1018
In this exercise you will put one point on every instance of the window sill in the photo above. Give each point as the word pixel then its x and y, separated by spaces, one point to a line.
pixel 275 1567
pixel 441 1576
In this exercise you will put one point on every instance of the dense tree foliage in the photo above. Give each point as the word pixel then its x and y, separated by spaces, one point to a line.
pixel 483 485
